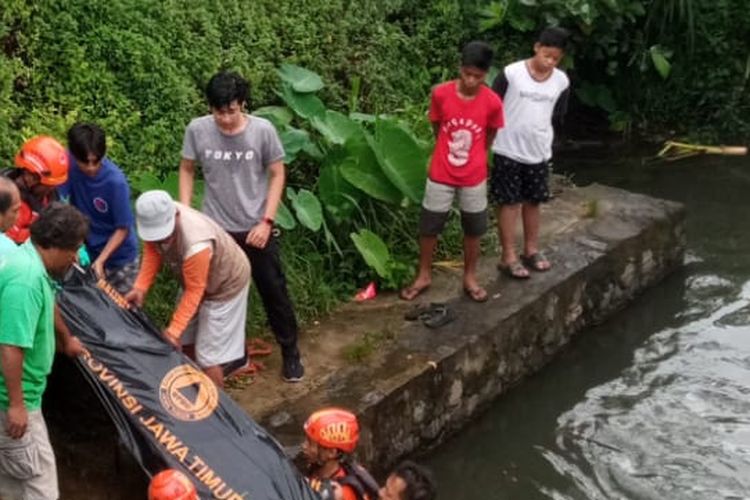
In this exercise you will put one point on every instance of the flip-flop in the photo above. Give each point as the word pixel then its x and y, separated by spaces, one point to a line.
pixel 477 294
pixel 412 292
pixel 419 310
pixel 535 260
pixel 438 316
pixel 514 270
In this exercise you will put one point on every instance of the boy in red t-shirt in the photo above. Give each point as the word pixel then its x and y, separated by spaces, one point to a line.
pixel 465 116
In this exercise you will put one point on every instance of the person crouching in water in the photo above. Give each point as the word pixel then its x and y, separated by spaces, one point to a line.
pixel 215 278
pixel 331 436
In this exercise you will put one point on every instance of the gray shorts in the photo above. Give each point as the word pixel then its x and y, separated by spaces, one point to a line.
pixel 438 201
pixel 27 465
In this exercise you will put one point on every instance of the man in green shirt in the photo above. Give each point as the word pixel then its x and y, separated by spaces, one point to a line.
pixel 10 203
pixel 27 347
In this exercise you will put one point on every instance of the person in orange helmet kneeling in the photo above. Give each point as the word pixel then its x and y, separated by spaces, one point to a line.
pixel 331 436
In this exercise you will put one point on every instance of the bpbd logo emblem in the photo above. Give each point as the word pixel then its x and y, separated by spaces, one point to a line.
pixel 188 394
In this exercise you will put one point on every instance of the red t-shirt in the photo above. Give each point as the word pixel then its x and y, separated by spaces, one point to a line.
pixel 460 155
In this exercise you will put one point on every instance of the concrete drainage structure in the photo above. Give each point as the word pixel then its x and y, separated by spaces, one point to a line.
pixel 426 384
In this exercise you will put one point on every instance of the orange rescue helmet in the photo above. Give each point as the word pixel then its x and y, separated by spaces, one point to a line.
pixel 44 156
pixel 171 484
pixel 333 428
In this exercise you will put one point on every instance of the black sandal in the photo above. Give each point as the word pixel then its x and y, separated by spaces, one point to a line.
pixel 416 312
pixel 440 315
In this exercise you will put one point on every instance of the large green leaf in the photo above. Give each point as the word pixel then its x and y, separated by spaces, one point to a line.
pixel 308 210
pixel 373 250
pixel 400 157
pixel 294 141
pixel 338 195
pixel 304 105
pixel 301 79
pixel 284 217
pixel 280 116
pixel 363 171
pixel 336 127
pixel 660 61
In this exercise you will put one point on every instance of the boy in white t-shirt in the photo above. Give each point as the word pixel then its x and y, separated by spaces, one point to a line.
pixel 534 92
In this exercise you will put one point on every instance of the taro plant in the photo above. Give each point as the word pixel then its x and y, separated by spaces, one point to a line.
pixel 362 161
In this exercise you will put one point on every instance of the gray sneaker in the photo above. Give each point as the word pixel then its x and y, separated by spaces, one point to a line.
pixel 292 371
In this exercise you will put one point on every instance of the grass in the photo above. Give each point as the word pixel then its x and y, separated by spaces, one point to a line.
pixel 367 345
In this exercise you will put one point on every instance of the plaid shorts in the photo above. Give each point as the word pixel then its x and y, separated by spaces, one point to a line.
pixel 512 182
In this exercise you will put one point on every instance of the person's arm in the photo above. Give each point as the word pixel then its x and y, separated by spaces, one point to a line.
pixel 150 265
pixel 561 107
pixel 500 84
pixel 67 343
pixel 195 277
pixel 491 133
pixel 261 232
pixel 434 114
pixel 11 363
pixel 21 311
pixel 187 176
pixel 113 243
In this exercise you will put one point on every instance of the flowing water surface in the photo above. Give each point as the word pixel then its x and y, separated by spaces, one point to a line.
pixel 653 404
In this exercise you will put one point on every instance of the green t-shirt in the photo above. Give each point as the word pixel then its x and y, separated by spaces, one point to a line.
pixel 27 302
pixel 6 245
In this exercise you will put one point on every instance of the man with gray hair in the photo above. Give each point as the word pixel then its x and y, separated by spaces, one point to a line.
pixel 10 203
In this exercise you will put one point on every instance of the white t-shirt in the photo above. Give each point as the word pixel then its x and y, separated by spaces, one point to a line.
pixel 527 135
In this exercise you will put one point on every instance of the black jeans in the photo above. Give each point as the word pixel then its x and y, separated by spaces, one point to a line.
pixel 271 284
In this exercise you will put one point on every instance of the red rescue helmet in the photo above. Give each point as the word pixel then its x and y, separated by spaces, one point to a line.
pixel 171 484
pixel 44 156
pixel 333 428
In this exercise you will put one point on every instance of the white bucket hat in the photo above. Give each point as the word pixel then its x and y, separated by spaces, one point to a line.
pixel 155 215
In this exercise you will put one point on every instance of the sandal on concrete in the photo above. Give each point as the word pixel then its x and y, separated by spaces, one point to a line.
pixel 438 316
pixel 419 310
pixel 514 270
pixel 477 294
pixel 412 292
pixel 536 262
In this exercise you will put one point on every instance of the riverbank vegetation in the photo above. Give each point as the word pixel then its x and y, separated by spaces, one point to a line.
pixel 138 67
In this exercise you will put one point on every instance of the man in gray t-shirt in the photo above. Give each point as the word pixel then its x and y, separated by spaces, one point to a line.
pixel 242 161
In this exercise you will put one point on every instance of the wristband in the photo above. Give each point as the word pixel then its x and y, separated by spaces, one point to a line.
pixel 268 220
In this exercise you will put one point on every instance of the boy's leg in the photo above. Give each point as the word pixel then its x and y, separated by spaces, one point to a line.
pixel 507 217
pixel 436 205
pixel 505 193
pixel 531 217
pixel 473 205
pixel 535 191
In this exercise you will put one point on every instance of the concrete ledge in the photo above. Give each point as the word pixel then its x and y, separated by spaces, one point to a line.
pixel 422 385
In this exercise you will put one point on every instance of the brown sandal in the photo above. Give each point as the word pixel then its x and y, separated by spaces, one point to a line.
pixel 514 270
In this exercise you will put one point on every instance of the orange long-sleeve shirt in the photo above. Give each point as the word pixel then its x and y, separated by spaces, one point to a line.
pixel 194 279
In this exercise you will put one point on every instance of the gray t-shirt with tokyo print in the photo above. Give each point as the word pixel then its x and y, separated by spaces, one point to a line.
pixel 235 168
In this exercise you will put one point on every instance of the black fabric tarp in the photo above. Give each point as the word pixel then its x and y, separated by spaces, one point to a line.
pixel 167 412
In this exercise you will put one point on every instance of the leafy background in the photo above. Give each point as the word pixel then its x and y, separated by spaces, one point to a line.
pixel 642 67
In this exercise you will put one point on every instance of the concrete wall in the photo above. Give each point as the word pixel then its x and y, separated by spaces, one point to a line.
pixel 431 383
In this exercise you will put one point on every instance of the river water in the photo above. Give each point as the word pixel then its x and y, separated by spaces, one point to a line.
pixel 653 404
